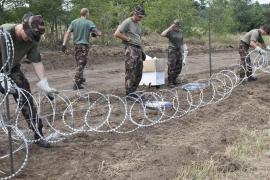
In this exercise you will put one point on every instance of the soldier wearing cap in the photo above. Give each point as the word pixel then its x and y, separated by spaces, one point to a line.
pixel 26 38
pixel 253 39
pixel 129 31
pixel 176 51
pixel 82 29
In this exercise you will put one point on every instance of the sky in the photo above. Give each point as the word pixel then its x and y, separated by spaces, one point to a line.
pixel 263 1
pixel 260 1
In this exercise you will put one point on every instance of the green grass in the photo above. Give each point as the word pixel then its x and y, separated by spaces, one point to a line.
pixel 154 39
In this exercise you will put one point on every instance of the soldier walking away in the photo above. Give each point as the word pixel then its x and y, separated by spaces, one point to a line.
pixel 252 39
pixel 129 31
pixel 26 37
pixel 175 51
pixel 82 29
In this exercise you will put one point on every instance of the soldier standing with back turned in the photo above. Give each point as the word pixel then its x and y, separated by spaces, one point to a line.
pixel 82 30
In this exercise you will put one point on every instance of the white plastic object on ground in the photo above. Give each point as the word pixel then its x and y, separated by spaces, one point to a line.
pixel 158 105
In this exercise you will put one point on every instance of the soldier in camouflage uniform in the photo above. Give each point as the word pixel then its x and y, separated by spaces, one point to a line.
pixel 26 38
pixel 250 40
pixel 129 31
pixel 82 29
pixel 175 52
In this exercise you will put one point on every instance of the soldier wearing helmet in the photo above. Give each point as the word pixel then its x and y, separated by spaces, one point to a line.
pixel 129 31
pixel 176 51
pixel 252 39
pixel 26 37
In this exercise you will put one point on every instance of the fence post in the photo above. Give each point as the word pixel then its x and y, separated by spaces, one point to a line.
pixel 4 58
pixel 209 42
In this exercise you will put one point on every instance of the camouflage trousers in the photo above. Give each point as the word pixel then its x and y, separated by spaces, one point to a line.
pixel 134 67
pixel 174 65
pixel 245 63
pixel 81 52
pixel 26 104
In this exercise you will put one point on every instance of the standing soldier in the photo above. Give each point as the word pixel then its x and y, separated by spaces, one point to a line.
pixel 250 40
pixel 26 38
pixel 81 29
pixel 176 51
pixel 129 31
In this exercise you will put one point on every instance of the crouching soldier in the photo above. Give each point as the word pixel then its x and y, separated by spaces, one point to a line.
pixel 253 39
pixel 26 37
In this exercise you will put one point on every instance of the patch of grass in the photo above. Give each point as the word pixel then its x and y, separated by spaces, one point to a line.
pixel 199 171
pixel 231 39
pixel 250 143
pixel 244 159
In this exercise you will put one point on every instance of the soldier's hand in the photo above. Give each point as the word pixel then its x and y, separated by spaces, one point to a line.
pixel 64 48
pixel 44 86
pixel 260 50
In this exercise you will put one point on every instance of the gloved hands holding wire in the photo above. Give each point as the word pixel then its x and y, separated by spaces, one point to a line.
pixel 44 86
pixel 260 50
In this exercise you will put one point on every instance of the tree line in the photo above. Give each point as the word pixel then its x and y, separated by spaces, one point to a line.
pixel 226 16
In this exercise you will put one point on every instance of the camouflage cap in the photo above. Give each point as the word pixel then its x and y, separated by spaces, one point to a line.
pixel 139 10
pixel 33 25
pixel 177 22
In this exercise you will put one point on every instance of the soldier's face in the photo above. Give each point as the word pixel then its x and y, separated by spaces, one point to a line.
pixel 176 28
pixel 138 18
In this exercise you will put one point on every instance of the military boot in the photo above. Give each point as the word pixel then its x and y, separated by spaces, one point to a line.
pixel 83 80
pixel 252 78
pixel 77 86
pixel 41 142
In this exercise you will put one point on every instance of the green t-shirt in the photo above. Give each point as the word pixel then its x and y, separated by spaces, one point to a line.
pixel 22 48
pixel 132 30
pixel 176 39
pixel 81 29
pixel 253 35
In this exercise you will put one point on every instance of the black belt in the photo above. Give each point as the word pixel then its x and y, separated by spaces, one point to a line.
pixel 175 49
pixel 244 43
pixel 133 45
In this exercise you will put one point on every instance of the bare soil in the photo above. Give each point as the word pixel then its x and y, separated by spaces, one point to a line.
pixel 157 152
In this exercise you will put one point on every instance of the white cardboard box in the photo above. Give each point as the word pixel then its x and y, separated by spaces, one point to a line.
pixel 153 72
pixel 153 78
pixel 154 65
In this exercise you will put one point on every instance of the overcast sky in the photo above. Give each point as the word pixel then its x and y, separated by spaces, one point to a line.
pixel 263 1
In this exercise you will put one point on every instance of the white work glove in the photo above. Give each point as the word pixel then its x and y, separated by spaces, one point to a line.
pixel 184 54
pixel 11 86
pixel 184 60
pixel 44 86
pixel 260 50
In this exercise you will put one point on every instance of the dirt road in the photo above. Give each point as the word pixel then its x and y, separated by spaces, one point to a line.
pixel 110 70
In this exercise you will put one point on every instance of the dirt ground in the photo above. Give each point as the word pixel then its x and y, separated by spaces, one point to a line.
pixel 158 152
